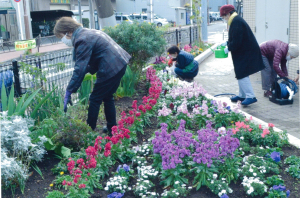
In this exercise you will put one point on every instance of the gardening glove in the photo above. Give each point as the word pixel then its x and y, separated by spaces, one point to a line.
pixel 67 101
pixel 224 44
pixel 170 62
pixel 226 50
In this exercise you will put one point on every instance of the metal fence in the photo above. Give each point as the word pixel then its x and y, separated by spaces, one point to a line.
pixel 9 46
pixel 182 36
pixel 47 63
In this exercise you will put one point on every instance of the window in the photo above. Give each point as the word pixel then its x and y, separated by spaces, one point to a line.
pixel 125 18
pixel 145 17
pixel 182 15
pixel 118 18
pixel 144 10
pixel 12 19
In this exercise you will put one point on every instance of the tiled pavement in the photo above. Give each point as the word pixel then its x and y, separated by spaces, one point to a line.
pixel 217 76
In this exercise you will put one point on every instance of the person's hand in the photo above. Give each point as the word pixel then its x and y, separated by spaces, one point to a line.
pixel 289 78
pixel 226 50
pixel 224 44
pixel 296 80
pixel 67 101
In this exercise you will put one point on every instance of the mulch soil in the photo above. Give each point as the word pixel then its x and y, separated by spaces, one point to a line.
pixel 36 187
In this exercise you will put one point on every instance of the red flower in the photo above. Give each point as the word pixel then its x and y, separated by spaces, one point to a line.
pixel 134 104
pixel 88 174
pixel 271 125
pixel 79 161
pixel 64 182
pixel 69 183
pixel 131 112
pixel 107 138
pixel 75 180
pixel 123 114
pixel 114 140
pixel 172 106
pixel 92 163
pixel 165 92
pixel 260 127
pixel 81 186
pixel 71 165
pixel 107 146
pixel 107 153
pixel 91 151
pixel 138 114
pixel 141 107
pixel 148 107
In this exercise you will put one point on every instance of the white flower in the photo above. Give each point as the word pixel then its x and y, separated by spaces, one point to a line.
pixel 177 193
pixel 223 192
pixel 215 176
pixel 177 182
pixel 242 138
pixel 230 190
pixel 108 184
pixel 254 174
pixel 261 147
pixel 223 179
pixel 190 187
pixel 106 188
pixel 129 188
pixel 251 170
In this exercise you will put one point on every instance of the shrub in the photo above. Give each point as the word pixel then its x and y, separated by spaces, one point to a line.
pixel 141 40
pixel 17 150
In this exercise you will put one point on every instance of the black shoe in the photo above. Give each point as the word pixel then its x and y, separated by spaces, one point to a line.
pixel 189 80
pixel 236 98
pixel 249 101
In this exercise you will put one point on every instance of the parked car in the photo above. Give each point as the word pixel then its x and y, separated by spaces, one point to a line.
pixel 159 21
pixel 121 18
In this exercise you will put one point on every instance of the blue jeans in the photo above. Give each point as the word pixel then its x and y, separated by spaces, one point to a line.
pixel 246 90
pixel 104 92
pixel 188 75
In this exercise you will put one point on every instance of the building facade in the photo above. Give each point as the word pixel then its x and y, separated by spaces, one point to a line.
pixel 267 24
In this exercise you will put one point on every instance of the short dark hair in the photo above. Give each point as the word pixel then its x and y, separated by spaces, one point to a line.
pixel 65 25
pixel 174 49
pixel 231 12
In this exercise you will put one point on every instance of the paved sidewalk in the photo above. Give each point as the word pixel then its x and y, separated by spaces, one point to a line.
pixel 48 48
pixel 217 77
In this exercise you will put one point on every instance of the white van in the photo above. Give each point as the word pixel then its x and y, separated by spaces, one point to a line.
pixel 121 18
pixel 144 18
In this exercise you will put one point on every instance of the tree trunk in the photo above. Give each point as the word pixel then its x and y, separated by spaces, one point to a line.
pixel 105 13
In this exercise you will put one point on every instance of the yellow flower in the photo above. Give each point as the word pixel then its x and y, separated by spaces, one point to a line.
pixel 51 185
pixel 232 121
pixel 201 49
pixel 61 173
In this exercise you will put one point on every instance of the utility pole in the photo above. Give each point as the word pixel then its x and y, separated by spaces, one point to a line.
pixel 150 11
pixel 92 17
pixel 27 19
pixel 204 8
pixel 191 11
pixel 20 19
pixel 79 9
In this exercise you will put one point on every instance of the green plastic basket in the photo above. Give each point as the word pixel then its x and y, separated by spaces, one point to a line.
pixel 219 52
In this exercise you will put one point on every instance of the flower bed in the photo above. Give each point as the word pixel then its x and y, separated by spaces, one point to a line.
pixel 198 147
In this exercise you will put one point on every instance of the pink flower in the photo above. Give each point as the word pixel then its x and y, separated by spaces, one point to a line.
pixel 246 119
pixel 81 186
pixel 64 182
pixel 69 183
pixel 88 174
pixel 251 118
pixel 271 125
pixel 250 129
pixel 263 135
pixel 260 127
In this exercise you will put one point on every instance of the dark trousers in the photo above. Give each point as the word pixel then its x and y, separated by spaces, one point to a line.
pixel 104 92
pixel 187 75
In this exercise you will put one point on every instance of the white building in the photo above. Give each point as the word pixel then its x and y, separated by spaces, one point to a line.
pixel 274 19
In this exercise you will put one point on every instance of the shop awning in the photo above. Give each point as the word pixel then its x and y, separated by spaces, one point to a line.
pixel 49 15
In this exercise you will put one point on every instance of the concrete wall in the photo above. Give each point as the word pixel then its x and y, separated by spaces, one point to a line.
pixel 215 4
pixel 294 35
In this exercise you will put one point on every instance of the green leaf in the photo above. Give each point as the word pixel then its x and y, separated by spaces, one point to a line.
pixel 33 114
pixel 3 97
pixel 11 102
pixel 27 102
pixel 49 145
pixel 66 152
pixel 21 103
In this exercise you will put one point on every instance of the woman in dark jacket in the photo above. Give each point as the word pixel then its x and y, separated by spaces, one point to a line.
pixel 94 52
pixel 245 51
pixel 275 53
pixel 186 66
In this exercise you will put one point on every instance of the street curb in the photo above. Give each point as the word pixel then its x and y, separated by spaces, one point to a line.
pixel 206 54
pixel 292 139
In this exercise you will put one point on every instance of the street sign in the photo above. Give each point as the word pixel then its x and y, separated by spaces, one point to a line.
pixel 17 1
pixel 24 45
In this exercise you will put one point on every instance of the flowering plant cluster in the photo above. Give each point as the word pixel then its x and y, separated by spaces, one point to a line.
pixel 278 191
pixel 194 50
pixel 178 190
pixel 17 150
pixel 219 187
pixel 294 166
pixel 254 186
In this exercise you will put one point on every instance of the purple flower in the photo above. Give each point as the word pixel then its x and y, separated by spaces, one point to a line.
pixel 112 195
pixel 224 196
pixel 126 167
pixel 279 187
pixel 288 193
pixel 119 195
pixel 275 156
pixel 120 166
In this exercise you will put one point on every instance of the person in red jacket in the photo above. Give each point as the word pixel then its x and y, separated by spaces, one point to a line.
pixel 275 54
